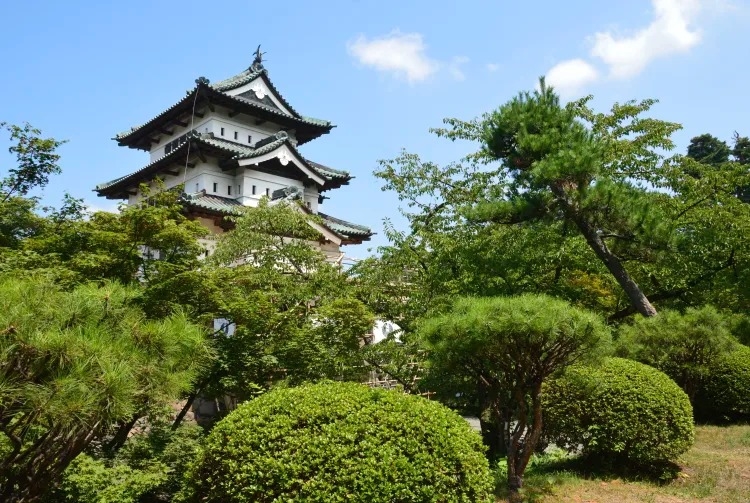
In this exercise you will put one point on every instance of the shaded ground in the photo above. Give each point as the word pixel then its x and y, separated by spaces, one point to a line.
pixel 715 470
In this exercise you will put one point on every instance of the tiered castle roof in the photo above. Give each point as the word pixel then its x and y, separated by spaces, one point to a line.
pixel 205 96
pixel 251 95
pixel 231 155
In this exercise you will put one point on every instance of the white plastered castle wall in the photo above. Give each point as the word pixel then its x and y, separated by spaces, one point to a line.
pixel 239 129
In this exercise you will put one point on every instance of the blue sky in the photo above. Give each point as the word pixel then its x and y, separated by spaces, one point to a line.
pixel 383 71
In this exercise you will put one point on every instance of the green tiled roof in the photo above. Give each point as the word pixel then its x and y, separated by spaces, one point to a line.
pixel 226 206
pixel 152 168
pixel 188 100
pixel 238 80
pixel 144 171
pixel 238 149
pixel 329 172
pixel 221 88
pixel 344 227
pixel 250 75
pixel 209 202
pixel 232 150
pixel 313 120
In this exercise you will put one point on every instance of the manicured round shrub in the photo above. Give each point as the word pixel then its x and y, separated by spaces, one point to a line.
pixel 622 410
pixel 334 442
pixel 725 395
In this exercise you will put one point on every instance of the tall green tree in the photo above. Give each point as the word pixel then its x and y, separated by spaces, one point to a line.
pixel 708 149
pixel 583 205
pixel 35 160
pixel 741 149
pixel 685 346
pixel 289 315
pixel 741 154
pixel 144 242
pixel 557 167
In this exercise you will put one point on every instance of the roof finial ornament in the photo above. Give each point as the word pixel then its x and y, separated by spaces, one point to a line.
pixel 257 61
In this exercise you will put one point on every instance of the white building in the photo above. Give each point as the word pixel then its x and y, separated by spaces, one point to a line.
pixel 232 143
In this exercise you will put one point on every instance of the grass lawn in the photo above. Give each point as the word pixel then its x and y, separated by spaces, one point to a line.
pixel 716 470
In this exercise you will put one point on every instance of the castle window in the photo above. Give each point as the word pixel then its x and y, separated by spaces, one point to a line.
pixel 196 187
pixel 239 190
pixel 268 191
pixel 235 135
pixel 216 187
pixel 229 190
pixel 249 139
pixel 222 131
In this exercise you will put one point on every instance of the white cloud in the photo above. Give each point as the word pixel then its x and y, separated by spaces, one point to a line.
pixel 571 76
pixel 670 32
pixel 454 68
pixel 102 205
pixel 492 67
pixel 401 54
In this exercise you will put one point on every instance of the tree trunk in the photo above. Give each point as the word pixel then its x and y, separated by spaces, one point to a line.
pixel 184 411
pixel 493 438
pixel 491 422
pixel 515 479
pixel 637 298
pixel 632 290
pixel 522 442
pixel 28 481
pixel 121 436
pixel 514 438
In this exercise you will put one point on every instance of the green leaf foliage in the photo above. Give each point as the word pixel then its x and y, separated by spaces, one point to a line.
pixel 89 480
pixel 334 442
pixel 146 242
pixel 18 221
pixel 685 346
pixel 294 316
pixel 286 326
pixel 36 160
pixel 621 410
pixel 725 394
pixel 498 333
pixel 707 149
pixel 562 200
pixel 506 348
pixel 271 236
pixel 76 364
pixel 149 468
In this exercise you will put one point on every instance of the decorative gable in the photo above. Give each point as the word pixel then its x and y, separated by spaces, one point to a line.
pixel 257 91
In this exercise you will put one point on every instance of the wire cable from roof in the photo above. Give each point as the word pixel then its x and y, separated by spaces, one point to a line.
pixel 198 81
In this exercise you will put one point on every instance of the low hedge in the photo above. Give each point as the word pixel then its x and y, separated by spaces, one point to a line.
pixel 622 410
pixel 725 394
pixel 334 442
